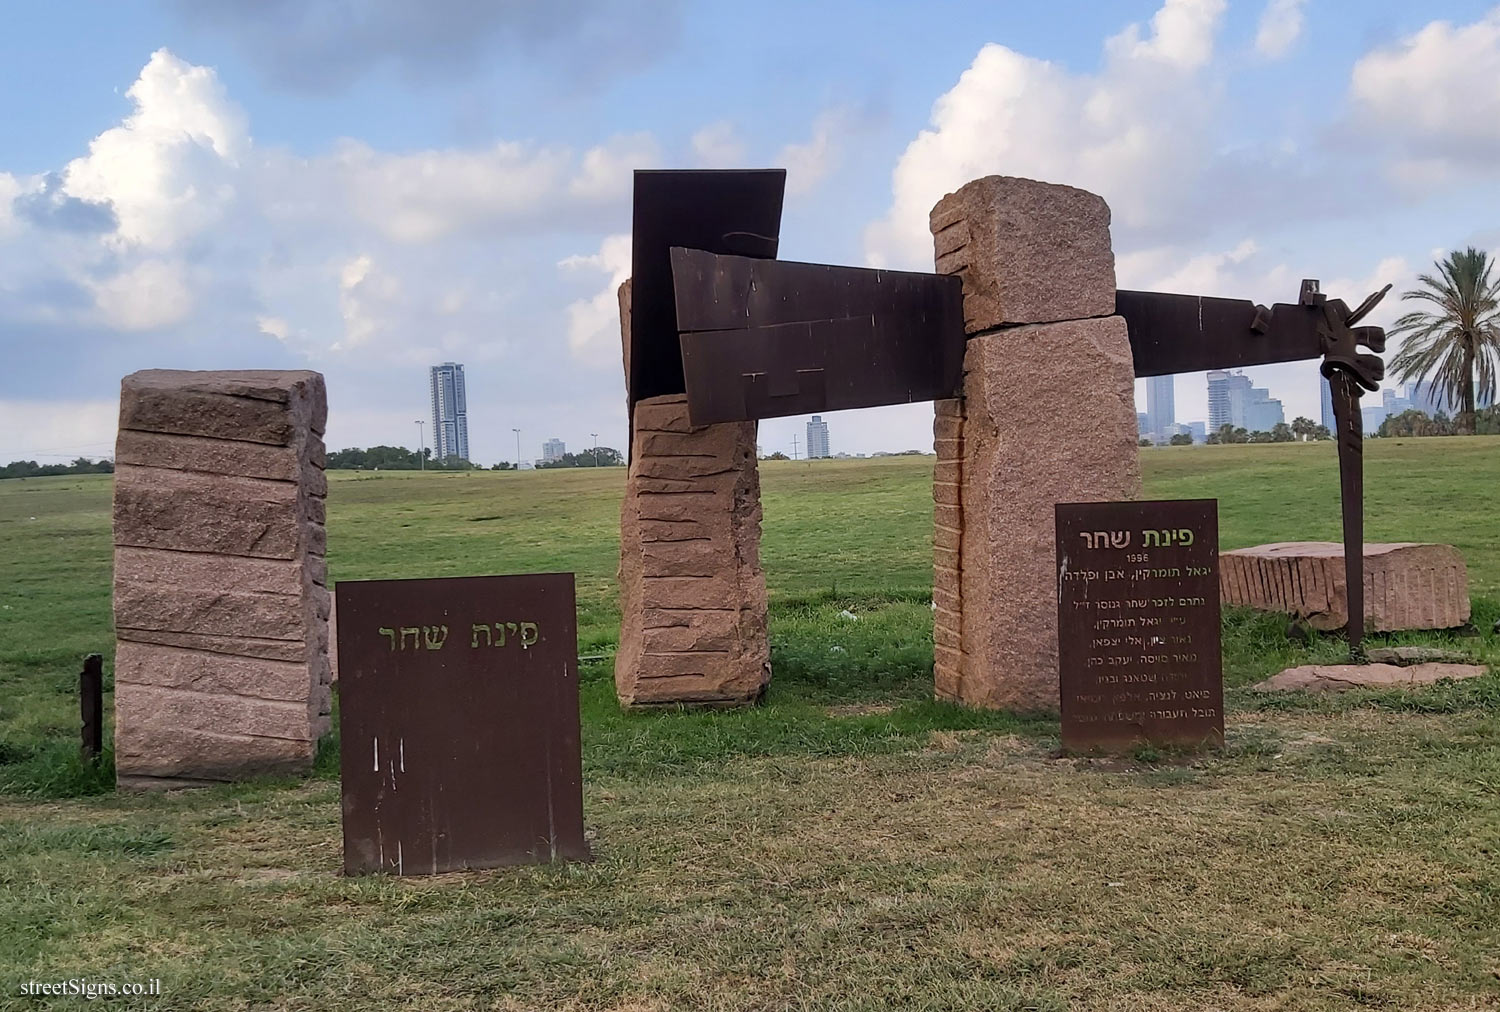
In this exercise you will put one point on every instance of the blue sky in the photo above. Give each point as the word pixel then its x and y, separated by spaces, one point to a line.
pixel 283 184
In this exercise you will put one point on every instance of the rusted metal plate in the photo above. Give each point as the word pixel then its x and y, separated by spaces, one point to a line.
pixel 769 338
pixel 1189 333
pixel 458 710
pixel 1351 443
pixel 719 210
pixel 1192 333
pixel 1138 624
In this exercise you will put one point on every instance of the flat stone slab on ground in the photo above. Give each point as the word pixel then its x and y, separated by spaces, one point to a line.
pixel 1342 677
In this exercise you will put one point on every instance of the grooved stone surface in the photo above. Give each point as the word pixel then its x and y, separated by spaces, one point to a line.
pixel 220 598
pixel 1407 585
pixel 1027 251
pixel 693 597
pixel 1048 416
pixel 249 405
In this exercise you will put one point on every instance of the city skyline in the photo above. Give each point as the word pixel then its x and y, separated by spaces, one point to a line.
pixel 1233 399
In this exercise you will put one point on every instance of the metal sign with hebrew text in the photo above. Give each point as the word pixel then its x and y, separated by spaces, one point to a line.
pixel 1138 624
pixel 458 703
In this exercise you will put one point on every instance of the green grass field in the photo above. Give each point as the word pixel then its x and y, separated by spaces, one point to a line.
pixel 848 844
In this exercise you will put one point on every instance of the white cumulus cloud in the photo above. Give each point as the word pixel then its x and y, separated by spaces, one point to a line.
pixel 168 169
pixel 1435 95
pixel 718 146
pixel 809 162
pixel 424 196
pixel 1280 27
pixel 152 294
pixel 594 323
pixel 1133 132
pixel 10 189
pixel 365 295
pixel 605 172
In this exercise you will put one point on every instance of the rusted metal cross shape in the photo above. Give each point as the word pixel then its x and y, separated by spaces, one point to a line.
pixel 746 336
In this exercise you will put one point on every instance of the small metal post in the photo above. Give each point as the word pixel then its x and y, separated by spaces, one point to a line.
pixel 1346 412
pixel 91 706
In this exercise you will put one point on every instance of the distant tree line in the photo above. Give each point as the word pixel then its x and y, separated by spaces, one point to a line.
pixel 1418 423
pixel 604 456
pixel 399 458
pixel 1301 430
pixel 31 469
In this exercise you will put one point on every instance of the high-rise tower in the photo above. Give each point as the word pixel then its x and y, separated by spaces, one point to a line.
pixel 450 412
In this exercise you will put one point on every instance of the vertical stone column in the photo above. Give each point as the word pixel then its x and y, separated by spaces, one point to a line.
pixel 1047 416
pixel 692 593
pixel 220 584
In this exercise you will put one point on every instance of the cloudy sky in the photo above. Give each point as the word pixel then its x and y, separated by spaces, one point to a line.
pixel 366 189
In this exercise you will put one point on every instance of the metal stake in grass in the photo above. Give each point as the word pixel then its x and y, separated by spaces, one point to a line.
pixel 91 706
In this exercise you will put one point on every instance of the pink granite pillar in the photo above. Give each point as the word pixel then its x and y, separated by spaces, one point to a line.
pixel 220 584
pixel 1047 416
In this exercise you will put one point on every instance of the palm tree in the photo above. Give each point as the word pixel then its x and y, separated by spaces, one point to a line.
pixel 1456 346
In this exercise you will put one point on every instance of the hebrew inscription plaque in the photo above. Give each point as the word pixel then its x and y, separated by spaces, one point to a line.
pixel 1138 624
pixel 458 702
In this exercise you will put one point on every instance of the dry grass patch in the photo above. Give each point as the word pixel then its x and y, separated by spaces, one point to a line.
pixel 1317 862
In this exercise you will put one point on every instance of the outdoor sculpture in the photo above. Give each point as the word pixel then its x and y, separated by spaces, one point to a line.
pixel 1025 296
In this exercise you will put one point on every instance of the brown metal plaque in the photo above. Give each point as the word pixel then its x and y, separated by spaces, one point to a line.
pixel 1138 624
pixel 458 712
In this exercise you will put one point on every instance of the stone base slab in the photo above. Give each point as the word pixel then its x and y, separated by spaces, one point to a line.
pixel 1407 585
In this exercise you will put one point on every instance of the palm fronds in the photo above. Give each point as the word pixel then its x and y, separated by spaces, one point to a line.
pixel 1454 347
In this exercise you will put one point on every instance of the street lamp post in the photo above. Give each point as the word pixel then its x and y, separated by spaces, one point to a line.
pixel 518 448
pixel 596 448
pixel 421 447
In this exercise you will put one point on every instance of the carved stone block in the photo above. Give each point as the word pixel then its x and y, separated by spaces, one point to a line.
pixel 221 604
pixel 693 597
pixel 1027 251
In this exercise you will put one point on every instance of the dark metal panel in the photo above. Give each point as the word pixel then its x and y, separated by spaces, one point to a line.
pixel 458 708
pixel 715 292
pixel 769 338
pixel 1138 624
pixel 720 210
pixel 1193 333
